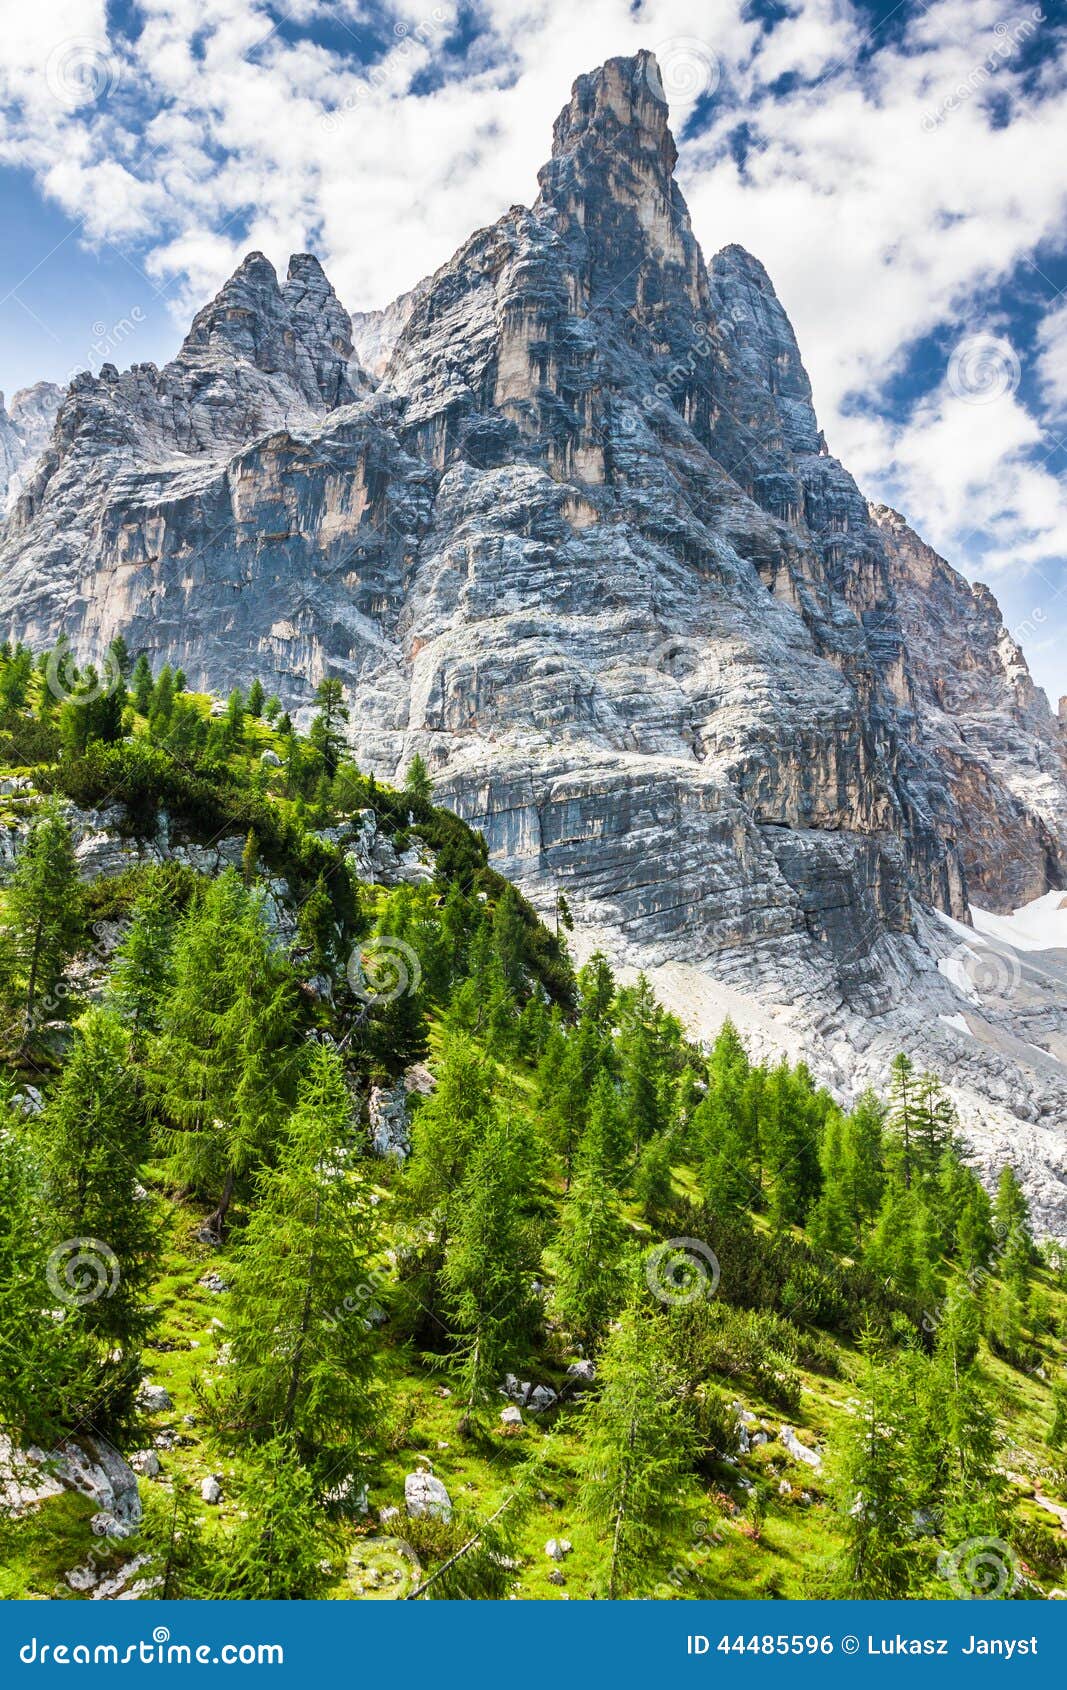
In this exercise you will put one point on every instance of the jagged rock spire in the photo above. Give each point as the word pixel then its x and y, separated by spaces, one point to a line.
pixel 300 331
pixel 611 178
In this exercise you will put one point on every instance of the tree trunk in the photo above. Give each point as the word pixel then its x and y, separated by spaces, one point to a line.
pixel 216 1223
pixel 31 989
pixel 305 1322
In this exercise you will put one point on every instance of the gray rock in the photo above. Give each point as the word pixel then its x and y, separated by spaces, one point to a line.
pixel 387 1110
pixel 586 549
pixel 584 1371
pixel 511 1416
pixel 154 1399
pixel 24 432
pixel 799 1451
pixel 557 1548
pixel 146 1463
pixel 425 1496
pixel 210 1490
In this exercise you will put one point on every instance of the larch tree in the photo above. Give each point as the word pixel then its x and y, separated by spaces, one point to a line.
pixel 44 910
pixel 302 1362
pixel 638 1450
pixel 488 1263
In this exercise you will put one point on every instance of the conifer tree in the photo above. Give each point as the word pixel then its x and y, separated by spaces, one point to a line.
pixel 639 1446
pixel 641 1103
pixel 974 1227
pixel 789 1141
pixel 302 1365
pixel 103 1231
pixel 935 1124
pixel 970 1486
pixel 118 657
pixel 448 1126
pixel 862 1150
pixel 875 1490
pixel 831 1223
pixel 144 968
pixel 44 909
pixel 328 729
pixel 162 705
pixel 417 782
pixel 572 1085
pixel 255 699
pixel 317 928
pixel 652 1184
pixel 904 1113
pixel 43 1363
pixel 902 1246
pixel 221 1062
pixel 488 1262
pixel 1011 1223
pixel 509 939
pixel 282 1544
pixel 596 986
pixel 590 1271
pixel 233 723
pixel 605 1142
pixel 142 685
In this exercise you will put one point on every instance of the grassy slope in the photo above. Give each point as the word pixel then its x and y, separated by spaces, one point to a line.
pixel 716 1550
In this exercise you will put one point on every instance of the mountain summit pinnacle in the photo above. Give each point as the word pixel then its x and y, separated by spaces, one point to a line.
pixel 612 174
pixel 585 551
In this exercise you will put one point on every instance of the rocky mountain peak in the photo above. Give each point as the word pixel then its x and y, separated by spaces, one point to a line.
pixel 24 433
pixel 622 107
pixel 611 180
pixel 585 550
pixel 241 316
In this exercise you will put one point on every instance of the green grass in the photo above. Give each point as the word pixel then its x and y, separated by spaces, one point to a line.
pixel 714 1550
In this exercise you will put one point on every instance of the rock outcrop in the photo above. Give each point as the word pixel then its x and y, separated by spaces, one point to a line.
pixel 584 547
pixel 25 430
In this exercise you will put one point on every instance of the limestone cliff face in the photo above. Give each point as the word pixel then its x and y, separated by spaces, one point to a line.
pixel 578 539
pixel 1002 751
pixel 24 434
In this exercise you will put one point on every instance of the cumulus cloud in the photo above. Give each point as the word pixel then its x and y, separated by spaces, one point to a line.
pixel 892 179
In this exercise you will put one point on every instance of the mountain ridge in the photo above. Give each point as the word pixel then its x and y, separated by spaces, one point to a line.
pixel 585 549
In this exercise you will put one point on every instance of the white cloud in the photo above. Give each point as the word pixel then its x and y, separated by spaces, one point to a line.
pixel 1052 361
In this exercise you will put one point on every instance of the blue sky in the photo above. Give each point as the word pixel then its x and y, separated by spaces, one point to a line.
pixel 900 169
